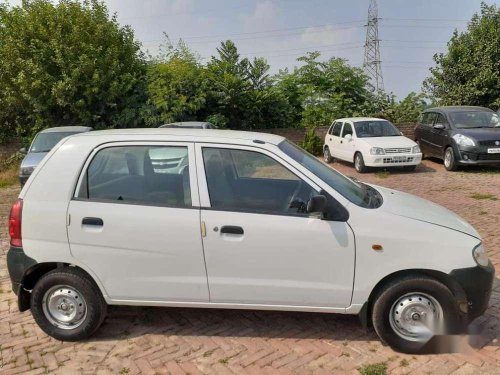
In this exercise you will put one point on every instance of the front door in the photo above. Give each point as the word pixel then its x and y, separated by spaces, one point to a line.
pixel 261 247
pixel 347 145
pixel 439 137
pixel 135 222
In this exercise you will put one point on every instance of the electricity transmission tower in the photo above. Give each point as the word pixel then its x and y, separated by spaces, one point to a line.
pixel 371 62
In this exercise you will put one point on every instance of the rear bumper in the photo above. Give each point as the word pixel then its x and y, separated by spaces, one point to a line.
pixel 17 264
pixel 477 283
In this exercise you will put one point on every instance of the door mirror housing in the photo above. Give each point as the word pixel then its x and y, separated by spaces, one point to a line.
pixel 22 150
pixel 317 204
pixel 348 137
pixel 439 126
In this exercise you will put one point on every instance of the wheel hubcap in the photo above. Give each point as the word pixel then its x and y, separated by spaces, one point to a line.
pixel 326 154
pixel 357 163
pixel 447 158
pixel 416 317
pixel 64 307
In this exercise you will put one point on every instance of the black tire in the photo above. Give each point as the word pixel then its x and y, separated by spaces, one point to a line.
pixel 327 157
pixel 396 289
pixel 409 168
pixel 359 163
pixel 81 282
pixel 451 163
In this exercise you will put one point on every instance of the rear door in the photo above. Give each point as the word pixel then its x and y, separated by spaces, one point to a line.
pixel 261 247
pixel 334 144
pixel 135 222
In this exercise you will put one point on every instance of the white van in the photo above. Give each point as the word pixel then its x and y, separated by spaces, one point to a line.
pixel 250 221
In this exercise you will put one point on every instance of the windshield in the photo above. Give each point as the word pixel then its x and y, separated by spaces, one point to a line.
pixel 475 119
pixel 45 141
pixel 354 191
pixel 380 128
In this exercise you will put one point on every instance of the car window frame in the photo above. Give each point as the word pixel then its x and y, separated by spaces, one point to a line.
pixel 204 195
pixel 341 127
pixel 193 179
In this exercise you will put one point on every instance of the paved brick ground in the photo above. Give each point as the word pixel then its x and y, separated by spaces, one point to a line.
pixel 181 341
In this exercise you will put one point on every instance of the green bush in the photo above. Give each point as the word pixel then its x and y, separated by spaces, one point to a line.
pixel 312 143
pixel 374 369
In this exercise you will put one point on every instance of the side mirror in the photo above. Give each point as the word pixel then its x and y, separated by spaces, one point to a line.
pixel 401 133
pixel 439 126
pixel 348 137
pixel 317 204
pixel 22 150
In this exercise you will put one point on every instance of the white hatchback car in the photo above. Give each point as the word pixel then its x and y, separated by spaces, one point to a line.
pixel 250 221
pixel 370 142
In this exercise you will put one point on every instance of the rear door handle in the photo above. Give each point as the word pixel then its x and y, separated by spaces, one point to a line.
pixel 231 229
pixel 95 221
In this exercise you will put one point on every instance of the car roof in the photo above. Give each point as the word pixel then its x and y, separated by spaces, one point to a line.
pixel 67 129
pixel 457 108
pixel 356 119
pixel 189 134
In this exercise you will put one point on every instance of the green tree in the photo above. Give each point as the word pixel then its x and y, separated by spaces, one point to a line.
pixel 176 88
pixel 469 73
pixel 68 63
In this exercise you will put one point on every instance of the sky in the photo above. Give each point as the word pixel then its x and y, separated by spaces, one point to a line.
pixel 410 31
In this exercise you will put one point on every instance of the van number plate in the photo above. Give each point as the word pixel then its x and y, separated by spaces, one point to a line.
pixel 494 151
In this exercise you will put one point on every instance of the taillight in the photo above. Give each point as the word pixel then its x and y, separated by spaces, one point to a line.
pixel 15 224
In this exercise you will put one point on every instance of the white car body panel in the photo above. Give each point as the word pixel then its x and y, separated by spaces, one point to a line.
pixel 291 257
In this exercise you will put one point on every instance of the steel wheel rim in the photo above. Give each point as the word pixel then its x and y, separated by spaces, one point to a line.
pixel 64 307
pixel 416 317
pixel 447 158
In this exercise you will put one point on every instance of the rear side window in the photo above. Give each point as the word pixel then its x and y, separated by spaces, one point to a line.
pixel 249 181
pixel 337 127
pixel 152 175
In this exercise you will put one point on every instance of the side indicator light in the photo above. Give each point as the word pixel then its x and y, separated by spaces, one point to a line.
pixel 377 247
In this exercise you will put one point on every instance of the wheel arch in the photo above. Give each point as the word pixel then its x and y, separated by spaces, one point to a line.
pixel 442 277
pixel 34 273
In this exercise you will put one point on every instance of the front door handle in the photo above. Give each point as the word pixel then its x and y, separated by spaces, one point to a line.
pixel 95 221
pixel 231 229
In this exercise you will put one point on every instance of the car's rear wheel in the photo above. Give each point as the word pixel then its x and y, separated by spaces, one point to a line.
pixel 450 162
pixel 409 311
pixel 327 157
pixel 359 163
pixel 67 304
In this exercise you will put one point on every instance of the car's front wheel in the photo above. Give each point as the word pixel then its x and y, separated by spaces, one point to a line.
pixel 359 163
pixel 409 311
pixel 67 304
pixel 450 162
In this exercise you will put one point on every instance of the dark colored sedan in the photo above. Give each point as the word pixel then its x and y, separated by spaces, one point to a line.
pixel 461 135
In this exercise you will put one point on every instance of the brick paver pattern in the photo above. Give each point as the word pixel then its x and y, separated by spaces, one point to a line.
pixel 149 340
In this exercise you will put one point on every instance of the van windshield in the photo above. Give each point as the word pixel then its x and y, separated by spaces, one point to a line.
pixel 356 192
pixel 44 142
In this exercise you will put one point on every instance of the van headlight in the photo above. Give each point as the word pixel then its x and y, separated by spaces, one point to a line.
pixel 479 255
pixel 415 149
pixel 377 151
pixel 463 140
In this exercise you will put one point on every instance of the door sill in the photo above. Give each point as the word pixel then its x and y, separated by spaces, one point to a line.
pixel 353 309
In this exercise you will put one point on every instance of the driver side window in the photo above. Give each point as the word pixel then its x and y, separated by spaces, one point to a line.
pixel 249 181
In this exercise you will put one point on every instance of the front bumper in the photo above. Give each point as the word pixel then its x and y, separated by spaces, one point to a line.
pixel 477 283
pixel 392 160
pixel 477 155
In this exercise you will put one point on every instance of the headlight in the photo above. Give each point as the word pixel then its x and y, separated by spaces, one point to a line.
pixel 27 171
pixel 416 149
pixel 463 140
pixel 377 151
pixel 479 254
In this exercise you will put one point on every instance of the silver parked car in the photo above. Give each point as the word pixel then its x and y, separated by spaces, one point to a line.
pixel 42 144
